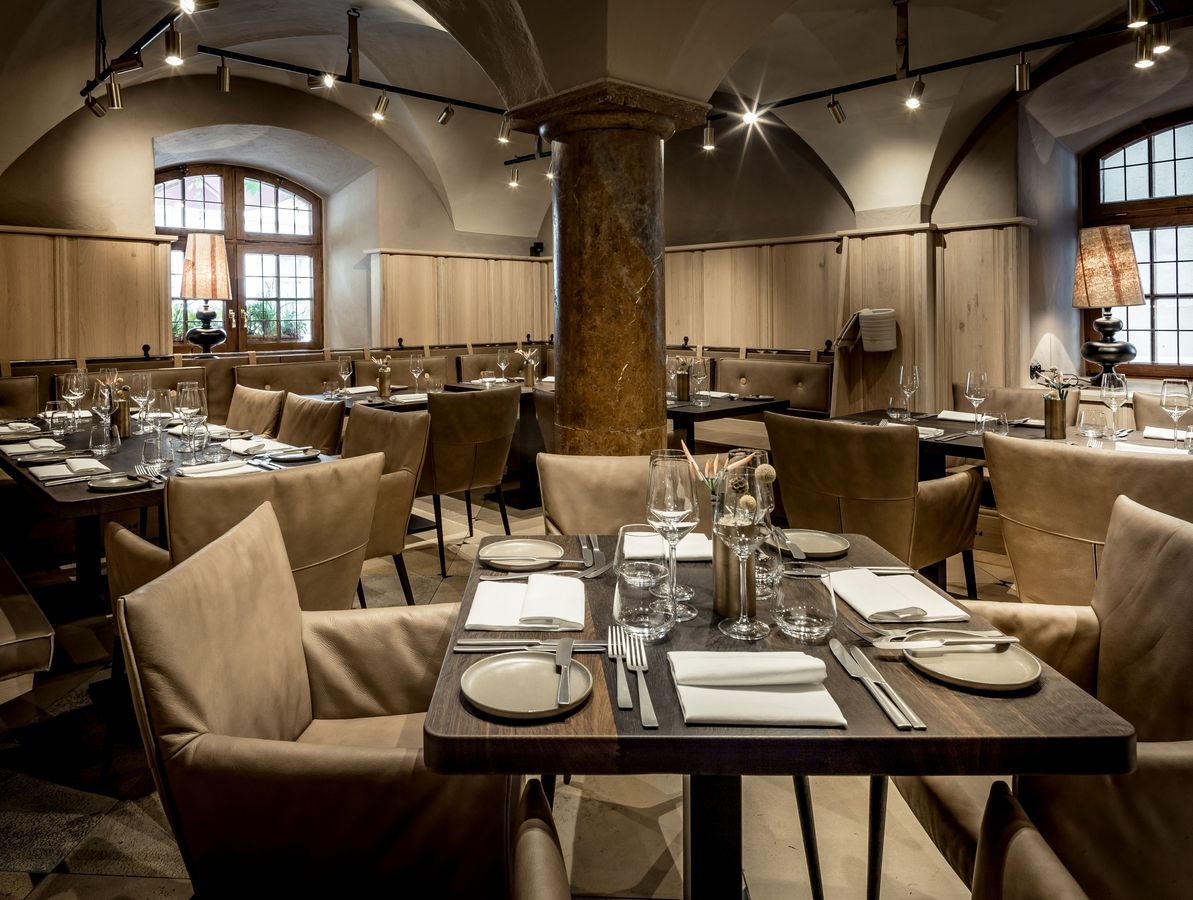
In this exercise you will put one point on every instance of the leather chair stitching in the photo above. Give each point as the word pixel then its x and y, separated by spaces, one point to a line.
pixel 331 558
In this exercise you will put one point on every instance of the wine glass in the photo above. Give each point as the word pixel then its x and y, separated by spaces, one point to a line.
pixel 160 409
pixel 977 391
pixel 345 372
pixel 416 367
pixel 739 519
pixel 72 387
pixel 1174 400
pixel 1091 424
pixel 503 361
pixel 101 402
pixel 1114 395
pixel 684 610
pixel 140 384
pixel 909 383
pixel 673 510
pixel 192 408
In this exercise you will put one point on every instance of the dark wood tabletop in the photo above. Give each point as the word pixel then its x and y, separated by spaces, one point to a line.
pixel 722 408
pixel 956 440
pixel 372 399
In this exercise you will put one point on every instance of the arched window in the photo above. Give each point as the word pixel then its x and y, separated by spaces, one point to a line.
pixel 1144 178
pixel 274 232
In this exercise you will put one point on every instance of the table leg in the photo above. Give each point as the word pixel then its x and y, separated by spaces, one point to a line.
pixel 89 550
pixel 712 837
pixel 878 785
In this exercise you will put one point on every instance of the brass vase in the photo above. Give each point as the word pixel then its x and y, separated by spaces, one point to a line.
pixel 1054 418
pixel 528 375
pixel 683 387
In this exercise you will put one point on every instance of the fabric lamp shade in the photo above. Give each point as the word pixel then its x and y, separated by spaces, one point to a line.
pixel 205 268
pixel 1107 273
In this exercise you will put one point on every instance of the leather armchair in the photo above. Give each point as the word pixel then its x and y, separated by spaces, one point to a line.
pixel 402 438
pixel 326 511
pixel 314 423
pixel 254 410
pixel 18 397
pixel 298 771
pixel 544 412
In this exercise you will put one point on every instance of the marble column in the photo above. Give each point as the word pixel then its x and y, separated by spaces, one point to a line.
pixel 607 195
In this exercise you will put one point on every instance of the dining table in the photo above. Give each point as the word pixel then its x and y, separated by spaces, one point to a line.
pixel 1052 726
pixel 686 413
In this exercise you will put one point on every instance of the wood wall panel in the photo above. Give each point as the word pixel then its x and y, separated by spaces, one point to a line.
pixel 28 312
pixel 407 302
pixel 119 301
pixel 684 297
pixel 803 293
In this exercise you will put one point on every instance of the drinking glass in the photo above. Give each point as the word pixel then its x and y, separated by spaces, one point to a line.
pixel 434 385
pixel 488 378
pixel 58 416
pixel 739 519
pixel 684 610
pixel 699 373
pixel 634 604
pixel 192 409
pixel 503 361
pixel 416 367
pixel 161 409
pixel 1091 424
pixel 101 402
pixel 1114 395
pixel 768 567
pixel 996 423
pixel 104 439
pixel 330 389
pixel 896 409
pixel 140 384
pixel 345 372
pixel 155 454
pixel 976 392
pixel 805 606
pixel 909 383
pixel 72 387
pixel 672 368
pixel 673 510
pixel 1174 400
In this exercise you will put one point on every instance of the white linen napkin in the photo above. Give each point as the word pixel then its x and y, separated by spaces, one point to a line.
pixel 37 445
pixel 753 688
pixel 229 467
pixel 14 428
pixel 1143 448
pixel 544 603
pixel 926 431
pixel 718 395
pixel 953 415
pixel 693 547
pixel 251 446
pixel 81 466
pixel 549 379
pixel 213 431
pixel 870 594
pixel 1162 434
pixel 362 389
pixel 408 398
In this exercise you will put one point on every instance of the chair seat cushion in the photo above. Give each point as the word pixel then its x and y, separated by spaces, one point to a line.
pixel 405 732
pixel 26 636
pixel 950 808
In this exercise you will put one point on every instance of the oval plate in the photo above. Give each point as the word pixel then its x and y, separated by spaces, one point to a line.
pixel 115 484
pixel 283 456
pixel 549 551
pixel 1012 669
pixel 522 685
pixel 818 544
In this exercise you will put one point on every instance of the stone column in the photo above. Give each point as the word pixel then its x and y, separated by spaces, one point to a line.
pixel 607 196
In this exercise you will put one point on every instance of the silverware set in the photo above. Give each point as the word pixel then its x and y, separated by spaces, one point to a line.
pixel 854 662
pixel 145 472
pixel 591 554
pixel 499 645
pixel 630 652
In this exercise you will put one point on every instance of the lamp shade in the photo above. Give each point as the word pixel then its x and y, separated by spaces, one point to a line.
pixel 205 268
pixel 1107 274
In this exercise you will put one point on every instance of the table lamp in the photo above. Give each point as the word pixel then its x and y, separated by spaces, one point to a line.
pixel 205 277
pixel 1107 275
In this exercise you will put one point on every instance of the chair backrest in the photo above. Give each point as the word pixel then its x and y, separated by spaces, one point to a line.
pixel 18 397
pixel 310 422
pixel 255 411
pixel 471 434
pixel 841 477
pixel 544 412
pixel 325 511
pixel 1055 502
pixel 1017 402
pixel 804 385
pixel 435 366
pixel 402 437
pixel 470 365
pixel 1146 408
pixel 305 377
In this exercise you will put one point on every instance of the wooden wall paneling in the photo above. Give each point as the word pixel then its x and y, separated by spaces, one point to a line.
pixel 1017 314
pixel 804 293
pixel 120 296
pixel 684 294
pixel 28 313
pixel 408 307
pixel 736 296
pixel 463 300
pixel 518 304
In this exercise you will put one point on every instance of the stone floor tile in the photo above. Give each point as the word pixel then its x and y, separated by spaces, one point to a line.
pixel 42 821
pixel 133 839
pixel 15 885
pixel 107 887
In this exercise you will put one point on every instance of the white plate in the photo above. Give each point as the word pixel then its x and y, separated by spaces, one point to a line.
pixel 294 455
pixel 818 544
pixel 547 550
pixel 522 685
pixel 992 669
pixel 115 484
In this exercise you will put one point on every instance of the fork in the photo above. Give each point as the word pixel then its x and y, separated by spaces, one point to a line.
pixel 637 664
pixel 145 472
pixel 616 652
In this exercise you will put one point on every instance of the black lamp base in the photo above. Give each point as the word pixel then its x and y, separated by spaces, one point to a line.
pixel 1107 352
pixel 208 335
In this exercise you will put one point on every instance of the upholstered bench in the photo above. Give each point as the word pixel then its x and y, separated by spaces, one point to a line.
pixel 26 636
pixel 806 386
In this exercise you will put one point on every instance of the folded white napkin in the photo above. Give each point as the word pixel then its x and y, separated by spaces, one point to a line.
pixel 37 445
pixel 549 379
pixel 19 428
pixel 1143 448
pixel 408 398
pixel 870 594
pixel 692 547
pixel 544 603
pixel 926 431
pixel 213 431
pixel 1162 434
pixel 953 415
pixel 250 446
pixel 81 466
pixel 229 467
pixel 753 688
pixel 362 389
pixel 718 395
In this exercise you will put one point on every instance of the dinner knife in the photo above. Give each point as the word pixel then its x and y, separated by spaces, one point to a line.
pixel 785 544
pixel 892 712
pixel 585 550
pixel 598 554
pixel 563 660
pixel 469 645
pixel 918 642
pixel 874 675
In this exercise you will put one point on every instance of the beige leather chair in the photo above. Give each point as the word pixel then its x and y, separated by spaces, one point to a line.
pixel 1148 412
pixel 326 511
pixel 1121 835
pixel 470 365
pixel 841 477
pixel 544 412
pixel 1055 502
pixel 314 423
pixel 26 636
pixel 804 385
pixel 255 411
pixel 287 746
pixel 471 434
pixel 18 397
pixel 538 871
pixel 402 437
pixel 1017 403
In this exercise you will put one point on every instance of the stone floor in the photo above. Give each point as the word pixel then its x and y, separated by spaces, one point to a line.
pixel 68 832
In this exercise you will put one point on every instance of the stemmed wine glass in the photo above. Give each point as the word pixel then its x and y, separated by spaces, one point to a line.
pixel 73 386
pixel 160 409
pixel 699 373
pixel 416 367
pixel 192 409
pixel 909 383
pixel 1174 400
pixel 976 392
pixel 503 361
pixel 345 373
pixel 140 384
pixel 673 510
pixel 1114 395
pixel 739 519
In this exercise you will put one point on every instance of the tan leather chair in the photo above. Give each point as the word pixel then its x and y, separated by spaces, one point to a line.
pixel 1017 403
pixel 326 511
pixel 538 871
pixel 402 437
pixel 255 411
pixel 26 636
pixel 1146 408
pixel 470 365
pixel 287 746
pixel 1119 835
pixel 314 423
pixel 841 477
pixel 544 412
pixel 804 385
pixel 18 397
pixel 1055 502
pixel 471 434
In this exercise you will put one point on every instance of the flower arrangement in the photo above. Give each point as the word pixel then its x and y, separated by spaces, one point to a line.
pixel 1055 380
pixel 719 464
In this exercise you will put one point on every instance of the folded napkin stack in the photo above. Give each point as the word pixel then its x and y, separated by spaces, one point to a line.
pixel 693 547
pixel 718 395
pixel 12 429
pixel 251 446
pixel 81 466
pixel 408 398
pixel 362 389
pixel 753 688
pixel 207 470
pixel 1163 434
pixel 544 603
pixel 37 445
pixel 870 595
pixel 952 415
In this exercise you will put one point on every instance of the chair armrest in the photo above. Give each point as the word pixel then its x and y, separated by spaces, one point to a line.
pixel 1065 637
pixel 946 515
pixel 539 872
pixel 133 562
pixel 375 662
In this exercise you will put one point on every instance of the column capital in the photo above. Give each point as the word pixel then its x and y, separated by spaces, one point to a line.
pixel 608 104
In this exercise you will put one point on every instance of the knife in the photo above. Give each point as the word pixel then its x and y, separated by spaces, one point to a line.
pixel 923 642
pixel 578 646
pixel 874 675
pixel 892 712
pixel 784 544
pixel 585 550
pixel 563 660
pixel 598 554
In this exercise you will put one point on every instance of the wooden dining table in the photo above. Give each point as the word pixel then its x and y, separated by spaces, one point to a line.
pixel 1052 727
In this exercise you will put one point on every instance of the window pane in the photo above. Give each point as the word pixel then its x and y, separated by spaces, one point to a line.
pixel 1186 341
pixel 1162 145
pixel 1164 180
pixel 174 189
pixel 252 264
pixel 1116 158
pixel 1166 347
pixel 1142 239
pixel 194 187
pixel 1164 278
pixel 286 221
pixel 193 218
pixel 1165 241
pixel 173 213
pixel 268 194
pixel 1137 152
pixel 305 266
pixel 1113 190
pixel 1137 187
pixel 286 265
pixel 252 218
pixel 1139 317
pixel 1184 141
pixel 1164 312
pixel 1145 278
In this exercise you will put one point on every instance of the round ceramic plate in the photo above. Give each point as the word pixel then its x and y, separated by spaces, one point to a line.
pixel 544 554
pixel 114 484
pixel 522 685
pixel 984 669
pixel 818 544
pixel 294 455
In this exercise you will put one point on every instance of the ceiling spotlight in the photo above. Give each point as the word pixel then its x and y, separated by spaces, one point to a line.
pixel 913 100
pixel 503 131
pixel 446 116
pixel 130 62
pixel 173 47
pixel 381 107
pixel 318 82
pixel 513 182
pixel 223 77
pixel 835 107
pixel 113 88
pixel 1136 13
pixel 1160 39
pixel 749 117
pixel 550 174
pixel 95 106
pixel 708 136
pixel 1144 58
pixel 1022 74
pixel 190 7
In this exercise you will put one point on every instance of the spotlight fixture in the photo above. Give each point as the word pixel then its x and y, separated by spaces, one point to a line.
pixel 113 88
pixel 550 174
pixel 381 107
pixel 223 77
pixel 503 131
pixel 513 182
pixel 173 46
pixel 1136 13
pixel 708 136
pixel 1144 58
pixel 913 100
pixel 1160 39
pixel 130 62
pixel 1022 74
pixel 446 116
pixel 837 110
pixel 95 106
pixel 749 117
pixel 318 82
pixel 190 7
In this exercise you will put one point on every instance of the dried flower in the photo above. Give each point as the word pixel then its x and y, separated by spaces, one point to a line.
pixel 765 474
pixel 1054 379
